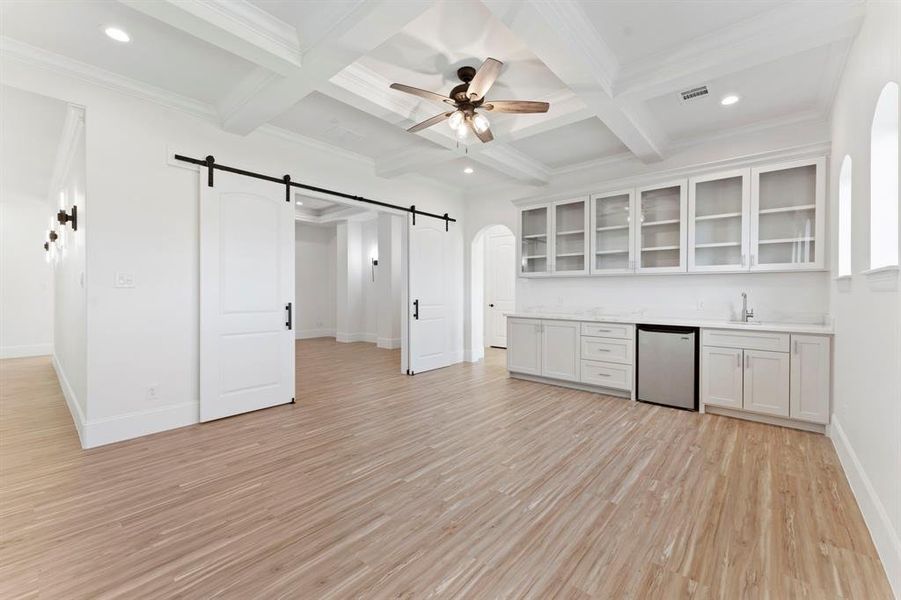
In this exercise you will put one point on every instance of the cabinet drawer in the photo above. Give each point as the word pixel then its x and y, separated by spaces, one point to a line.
pixel 609 330
pixel 748 340
pixel 606 374
pixel 608 350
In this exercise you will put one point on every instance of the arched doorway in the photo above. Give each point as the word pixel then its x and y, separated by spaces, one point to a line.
pixel 493 287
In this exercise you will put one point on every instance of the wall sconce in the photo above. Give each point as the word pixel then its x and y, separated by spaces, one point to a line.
pixel 72 218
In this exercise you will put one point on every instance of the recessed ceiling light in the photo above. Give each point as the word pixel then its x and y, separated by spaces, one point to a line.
pixel 468 170
pixel 730 99
pixel 117 34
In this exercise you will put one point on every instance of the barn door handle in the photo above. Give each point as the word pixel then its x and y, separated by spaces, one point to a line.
pixel 416 309
pixel 288 323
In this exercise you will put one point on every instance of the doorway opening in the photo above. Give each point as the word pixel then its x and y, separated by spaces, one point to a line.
pixel 493 285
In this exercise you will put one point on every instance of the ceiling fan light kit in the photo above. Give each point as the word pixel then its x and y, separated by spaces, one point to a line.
pixel 469 96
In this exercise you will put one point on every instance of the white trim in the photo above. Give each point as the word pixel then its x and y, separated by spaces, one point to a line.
pixel 26 350
pixel 345 337
pixel 306 334
pixel 125 427
pixel 42 59
pixel 78 417
pixel 884 536
pixel 883 279
pixel 388 343
pixel 745 415
pixel 806 151
pixel 65 151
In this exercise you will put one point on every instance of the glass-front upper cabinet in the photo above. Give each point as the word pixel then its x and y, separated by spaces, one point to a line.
pixel 660 229
pixel 534 228
pixel 612 247
pixel 570 245
pixel 788 216
pixel 718 221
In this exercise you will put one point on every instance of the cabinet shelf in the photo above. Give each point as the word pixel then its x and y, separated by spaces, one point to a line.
pixel 599 252
pixel 657 223
pixel 535 256
pixel 534 236
pixel 566 254
pixel 782 209
pixel 571 232
pixel 659 248
pixel 730 215
pixel 786 240
pixel 612 227
pixel 718 245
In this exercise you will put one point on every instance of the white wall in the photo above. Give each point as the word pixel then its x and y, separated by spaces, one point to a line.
pixel 315 267
pixel 369 248
pixel 30 130
pixel 144 220
pixel 26 279
pixel 866 421
pixel 388 275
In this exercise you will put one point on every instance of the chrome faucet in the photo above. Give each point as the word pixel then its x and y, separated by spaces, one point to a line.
pixel 745 313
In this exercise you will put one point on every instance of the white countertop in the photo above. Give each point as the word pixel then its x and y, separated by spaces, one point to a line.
pixel 813 328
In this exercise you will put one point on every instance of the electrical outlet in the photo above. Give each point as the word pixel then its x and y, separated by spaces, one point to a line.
pixel 125 280
pixel 153 392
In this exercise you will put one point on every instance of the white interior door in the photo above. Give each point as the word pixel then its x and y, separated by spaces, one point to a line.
pixel 246 296
pixel 500 287
pixel 435 313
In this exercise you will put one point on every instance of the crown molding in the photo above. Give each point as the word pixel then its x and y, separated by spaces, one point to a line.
pixel 38 58
pixel 42 59
pixel 814 149
pixel 236 26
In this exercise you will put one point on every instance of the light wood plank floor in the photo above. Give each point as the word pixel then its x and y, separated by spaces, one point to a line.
pixel 456 483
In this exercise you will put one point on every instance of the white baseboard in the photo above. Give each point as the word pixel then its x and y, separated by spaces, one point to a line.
pixel 388 343
pixel 71 400
pixel 26 350
pixel 356 337
pixel 885 538
pixel 305 334
pixel 99 432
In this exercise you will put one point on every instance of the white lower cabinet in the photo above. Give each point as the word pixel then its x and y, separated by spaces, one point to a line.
pixel 766 382
pixel 791 384
pixel 524 346
pixel 722 376
pixel 810 359
pixel 560 355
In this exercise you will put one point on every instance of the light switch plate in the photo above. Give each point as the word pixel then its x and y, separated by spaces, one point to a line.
pixel 125 280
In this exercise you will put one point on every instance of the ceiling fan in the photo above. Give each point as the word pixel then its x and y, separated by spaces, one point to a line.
pixel 469 96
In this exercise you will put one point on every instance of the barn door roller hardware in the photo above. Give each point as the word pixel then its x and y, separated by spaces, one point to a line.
pixel 211 165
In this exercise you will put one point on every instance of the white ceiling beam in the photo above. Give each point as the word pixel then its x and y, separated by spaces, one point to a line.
pixel 370 92
pixel 561 35
pixel 357 31
pixel 234 25
pixel 778 33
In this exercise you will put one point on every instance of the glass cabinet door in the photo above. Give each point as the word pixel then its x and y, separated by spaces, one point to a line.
pixel 570 240
pixel 718 228
pixel 611 232
pixel 787 222
pixel 661 226
pixel 534 230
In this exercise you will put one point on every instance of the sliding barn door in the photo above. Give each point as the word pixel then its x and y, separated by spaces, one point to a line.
pixel 246 296
pixel 435 317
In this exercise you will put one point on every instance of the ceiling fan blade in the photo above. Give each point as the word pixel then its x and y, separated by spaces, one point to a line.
pixel 430 122
pixel 484 78
pixel 422 93
pixel 516 106
pixel 486 136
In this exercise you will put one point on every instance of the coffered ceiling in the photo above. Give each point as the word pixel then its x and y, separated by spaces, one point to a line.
pixel 611 70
